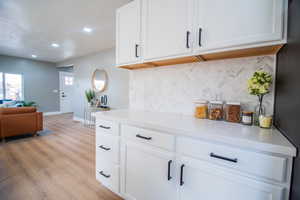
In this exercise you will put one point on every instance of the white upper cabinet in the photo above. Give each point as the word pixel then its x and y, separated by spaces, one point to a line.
pixel 167 28
pixel 128 36
pixel 155 30
pixel 221 24
pixel 200 179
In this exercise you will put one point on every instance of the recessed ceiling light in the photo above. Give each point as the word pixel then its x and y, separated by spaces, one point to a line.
pixel 55 45
pixel 34 56
pixel 87 29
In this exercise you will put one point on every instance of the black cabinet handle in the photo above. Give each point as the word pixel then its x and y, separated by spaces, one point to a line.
pixel 181 174
pixel 169 170
pixel 235 160
pixel 102 173
pixel 105 127
pixel 200 37
pixel 104 148
pixel 188 39
pixel 136 50
pixel 143 137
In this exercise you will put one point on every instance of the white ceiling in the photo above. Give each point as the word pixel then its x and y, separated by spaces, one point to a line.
pixel 30 27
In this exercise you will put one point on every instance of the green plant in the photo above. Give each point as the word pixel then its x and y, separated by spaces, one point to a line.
pixel 90 95
pixel 29 104
pixel 259 83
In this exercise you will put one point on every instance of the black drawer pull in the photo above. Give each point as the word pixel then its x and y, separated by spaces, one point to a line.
pixel 102 173
pixel 188 39
pixel 104 148
pixel 105 127
pixel 235 160
pixel 143 137
pixel 200 37
pixel 136 50
pixel 169 170
pixel 181 175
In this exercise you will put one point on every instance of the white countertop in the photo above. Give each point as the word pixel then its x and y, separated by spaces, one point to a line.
pixel 251 137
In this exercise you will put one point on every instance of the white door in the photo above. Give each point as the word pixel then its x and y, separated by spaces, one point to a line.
pixel 66 82
pixel 128 33
pixel 148 173
pixel 201 179
pixel 167 28
pixel 230 23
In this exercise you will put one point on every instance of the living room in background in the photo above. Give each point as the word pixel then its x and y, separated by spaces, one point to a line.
pixel 1 86
pixel 12 86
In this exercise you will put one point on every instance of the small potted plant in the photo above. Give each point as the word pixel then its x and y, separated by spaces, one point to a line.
pixel 259 84
pixel 90 96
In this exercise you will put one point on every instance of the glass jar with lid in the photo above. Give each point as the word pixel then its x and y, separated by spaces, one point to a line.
pixel 201 109
pixel 233 112
pixel 215 110
pixel 247 118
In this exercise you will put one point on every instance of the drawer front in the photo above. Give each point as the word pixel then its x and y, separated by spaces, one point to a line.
pixel 108 174
pixel 150 137
pixel 257 164
pixel 108 147
pixel 107 127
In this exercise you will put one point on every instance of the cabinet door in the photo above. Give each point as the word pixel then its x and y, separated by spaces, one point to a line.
pixel 230 23
pixel 128 33
pixel 167 27
pixel 201 179
pixel 147 173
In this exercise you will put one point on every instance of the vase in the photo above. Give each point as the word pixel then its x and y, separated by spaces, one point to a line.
pixel 260 109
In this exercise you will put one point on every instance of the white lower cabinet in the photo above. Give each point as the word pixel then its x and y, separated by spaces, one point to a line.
pixel 201 180
pixel 108 174
pixel 151 174
pixel 147 173
pixel 142 164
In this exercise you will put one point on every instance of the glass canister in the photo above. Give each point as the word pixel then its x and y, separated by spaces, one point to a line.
pixel 247 118
pixel 215 110
pixel 265 121
pixel 201 109
pixel 233 112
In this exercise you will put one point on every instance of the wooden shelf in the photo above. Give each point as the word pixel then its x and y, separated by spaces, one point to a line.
pixel 258 51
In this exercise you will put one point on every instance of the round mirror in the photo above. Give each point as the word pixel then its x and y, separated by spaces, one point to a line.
pixel 99 80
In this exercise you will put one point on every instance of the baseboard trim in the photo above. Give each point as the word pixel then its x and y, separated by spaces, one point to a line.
pixel 79 119
pixel 52 113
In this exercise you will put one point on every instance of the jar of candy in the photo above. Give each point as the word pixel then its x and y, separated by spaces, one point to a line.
pixel 215 110
pixel 201 109
pixel 247 118
pixel 233 112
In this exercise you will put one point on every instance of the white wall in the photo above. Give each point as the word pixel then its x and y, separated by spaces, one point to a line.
pixel 174 88
pixel 171 88
pixel 118 83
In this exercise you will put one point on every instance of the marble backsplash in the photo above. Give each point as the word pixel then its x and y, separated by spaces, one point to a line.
pixel 174 88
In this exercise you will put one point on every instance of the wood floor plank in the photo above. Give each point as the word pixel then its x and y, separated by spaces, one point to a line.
pixel 58 166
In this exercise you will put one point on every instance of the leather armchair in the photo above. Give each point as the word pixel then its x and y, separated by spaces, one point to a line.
pixel 18 121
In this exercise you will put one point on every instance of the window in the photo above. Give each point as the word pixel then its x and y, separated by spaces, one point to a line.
pixel 11 86
pixel 68 80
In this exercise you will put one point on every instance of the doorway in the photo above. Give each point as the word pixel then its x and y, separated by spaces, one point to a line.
pixel 66 87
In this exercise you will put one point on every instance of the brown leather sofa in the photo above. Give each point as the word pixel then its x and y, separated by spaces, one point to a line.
pixel 18 121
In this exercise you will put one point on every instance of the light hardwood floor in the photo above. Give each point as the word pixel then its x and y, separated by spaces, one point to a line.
pixel 57 166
